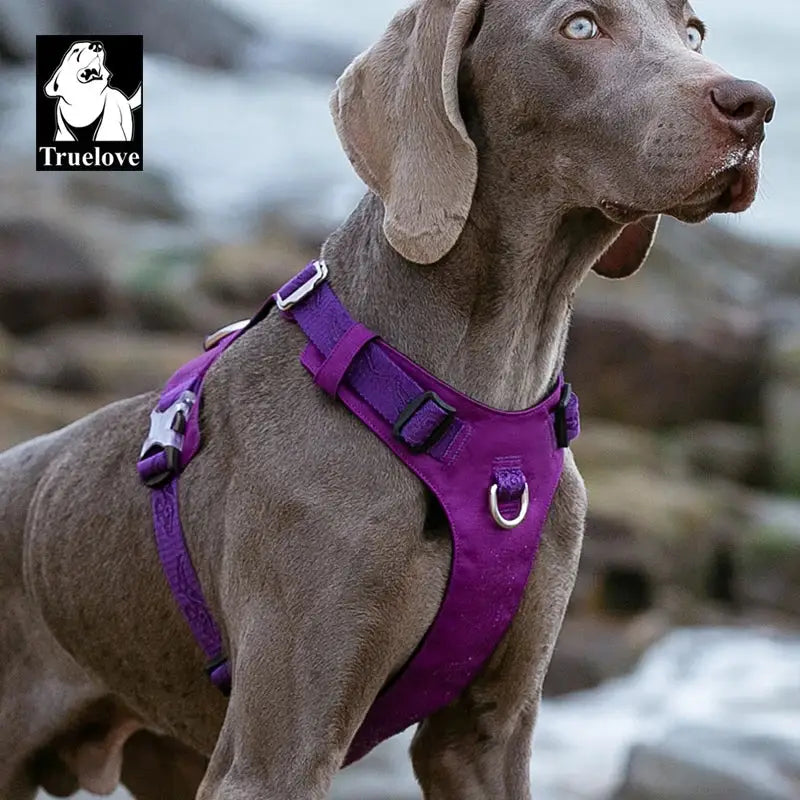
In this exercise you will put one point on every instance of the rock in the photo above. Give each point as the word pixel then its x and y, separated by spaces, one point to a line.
pixel 248 273
pixel 216 38
pixel 683 340
pixel 663 526
pixel 6 349
pixel 701 550
pixel 26 412
pixel 104 361
pixel 137 195
pixel 46 277
pixel 768 557
pixel 603 444
pixel 592 650
pixel 735 452
pixel 782 410
pixel 199 33
pixel 713 764
pixel 630 370
pixel 160 291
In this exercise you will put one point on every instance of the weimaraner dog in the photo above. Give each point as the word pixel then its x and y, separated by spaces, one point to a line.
pixel 509 147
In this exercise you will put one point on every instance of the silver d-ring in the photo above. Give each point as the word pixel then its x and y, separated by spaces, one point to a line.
pixel 509 524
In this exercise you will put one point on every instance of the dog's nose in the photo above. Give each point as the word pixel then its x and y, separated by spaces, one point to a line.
pixel 96 47
pixel 746 106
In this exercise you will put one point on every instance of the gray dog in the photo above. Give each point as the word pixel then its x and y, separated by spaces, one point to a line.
pixel 509 146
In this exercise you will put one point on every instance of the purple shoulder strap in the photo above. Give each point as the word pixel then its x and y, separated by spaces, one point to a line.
pixel 494 474
pixel 173 440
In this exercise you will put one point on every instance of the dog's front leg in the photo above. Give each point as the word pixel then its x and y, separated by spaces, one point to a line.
pixel 293 711
pixel 257 759
pixel 467 752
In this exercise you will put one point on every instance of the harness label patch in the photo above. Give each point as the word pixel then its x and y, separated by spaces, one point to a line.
pixel 89 103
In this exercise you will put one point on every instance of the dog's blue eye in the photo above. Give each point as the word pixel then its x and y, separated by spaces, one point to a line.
pixel 695 36
pixel 581 27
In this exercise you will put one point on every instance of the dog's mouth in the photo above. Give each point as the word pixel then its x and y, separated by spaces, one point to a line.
pixel 729 190
pixel 91 72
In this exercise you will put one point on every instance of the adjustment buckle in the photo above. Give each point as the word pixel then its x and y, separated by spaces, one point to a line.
pixel 411 409
pixel 320 274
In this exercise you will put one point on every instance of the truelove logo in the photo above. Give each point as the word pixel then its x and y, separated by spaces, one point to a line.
pixel 89 102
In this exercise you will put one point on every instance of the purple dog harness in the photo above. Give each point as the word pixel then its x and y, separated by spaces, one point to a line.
pixel 493 472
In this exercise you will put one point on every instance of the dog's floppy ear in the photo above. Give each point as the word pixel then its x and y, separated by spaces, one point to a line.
pixel 629 250
pixel 396 111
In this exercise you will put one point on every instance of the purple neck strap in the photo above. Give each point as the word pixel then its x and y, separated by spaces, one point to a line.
pixel 493 472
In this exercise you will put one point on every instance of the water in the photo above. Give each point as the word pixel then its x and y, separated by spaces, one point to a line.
pixel 717 681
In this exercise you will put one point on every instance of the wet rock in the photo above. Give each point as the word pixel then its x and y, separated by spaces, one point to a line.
pixel 713 764
pixel 46 277
pixel 135 195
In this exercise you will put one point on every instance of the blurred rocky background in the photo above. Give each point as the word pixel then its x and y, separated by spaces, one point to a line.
pixel 689 374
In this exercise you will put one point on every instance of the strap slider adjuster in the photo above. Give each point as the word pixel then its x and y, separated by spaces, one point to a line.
pixel 305 289
pixel 436 434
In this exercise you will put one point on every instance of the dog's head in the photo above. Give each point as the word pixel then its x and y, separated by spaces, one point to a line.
pixel 609 103
pixel 81 73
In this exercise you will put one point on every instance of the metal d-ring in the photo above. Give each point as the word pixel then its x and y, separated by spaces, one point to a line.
pixel 509 524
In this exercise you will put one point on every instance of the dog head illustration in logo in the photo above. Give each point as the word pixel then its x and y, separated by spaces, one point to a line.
pixel 81 84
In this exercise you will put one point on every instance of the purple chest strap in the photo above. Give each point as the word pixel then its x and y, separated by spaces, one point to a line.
pixel 494 474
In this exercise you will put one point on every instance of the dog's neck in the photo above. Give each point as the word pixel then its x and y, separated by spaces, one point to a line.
pixel 491 317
